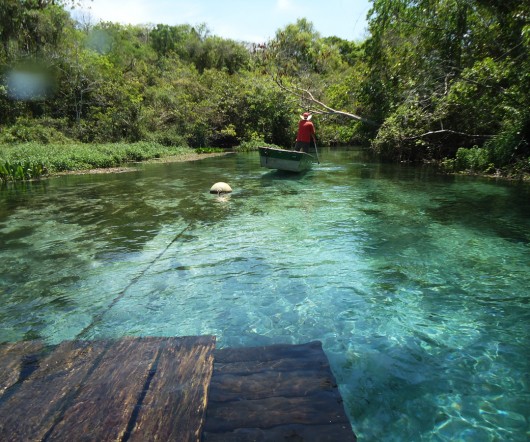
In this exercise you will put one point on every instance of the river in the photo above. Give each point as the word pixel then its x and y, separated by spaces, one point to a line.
pixel 416 283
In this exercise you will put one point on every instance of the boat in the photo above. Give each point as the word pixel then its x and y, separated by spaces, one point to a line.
pixel 283 159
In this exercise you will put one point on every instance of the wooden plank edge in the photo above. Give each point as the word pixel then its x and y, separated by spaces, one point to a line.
pixel 308 433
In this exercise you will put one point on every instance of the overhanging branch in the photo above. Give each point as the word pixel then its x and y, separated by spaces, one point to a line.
pixel 321 108
pixel 447 131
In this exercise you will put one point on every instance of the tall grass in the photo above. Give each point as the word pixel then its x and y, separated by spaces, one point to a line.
pixel 65 157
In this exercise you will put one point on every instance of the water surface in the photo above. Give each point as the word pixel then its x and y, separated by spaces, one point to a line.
pixel 416 283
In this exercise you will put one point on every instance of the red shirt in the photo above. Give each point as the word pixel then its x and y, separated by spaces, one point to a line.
pixel 305 130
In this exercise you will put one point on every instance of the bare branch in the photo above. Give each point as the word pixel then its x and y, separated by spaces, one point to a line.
pixel 321 108
pixel 447 131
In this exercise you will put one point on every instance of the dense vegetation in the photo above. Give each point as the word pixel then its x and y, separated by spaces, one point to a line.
pixel 451 74
pixel 443 80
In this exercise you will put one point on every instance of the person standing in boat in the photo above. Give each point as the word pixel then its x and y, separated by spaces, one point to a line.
pixel 306 133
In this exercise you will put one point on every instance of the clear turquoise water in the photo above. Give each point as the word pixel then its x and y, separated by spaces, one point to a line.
pixel 416 284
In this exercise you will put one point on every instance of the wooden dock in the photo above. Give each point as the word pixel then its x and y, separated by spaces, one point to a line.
pixel 168 389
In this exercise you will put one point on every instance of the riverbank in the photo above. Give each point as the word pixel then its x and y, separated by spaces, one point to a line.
pixel 32 160
pixel 503 175
pixel 124 169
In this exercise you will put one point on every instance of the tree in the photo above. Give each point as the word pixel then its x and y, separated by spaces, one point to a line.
pixel 444 74
pixel 318 73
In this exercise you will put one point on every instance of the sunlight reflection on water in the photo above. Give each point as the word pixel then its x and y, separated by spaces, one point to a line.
pixel 416 284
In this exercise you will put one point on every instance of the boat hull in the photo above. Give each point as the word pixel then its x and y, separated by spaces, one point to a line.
pixel 281 159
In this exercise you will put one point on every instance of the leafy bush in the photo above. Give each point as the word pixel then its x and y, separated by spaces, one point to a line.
pixel 27 131
pixel 475 159
pixel 341 133
pixel 511 143
pixel 167 137
pixel 21 170
pixel 209 150
pixel 252 145
pixel 398 138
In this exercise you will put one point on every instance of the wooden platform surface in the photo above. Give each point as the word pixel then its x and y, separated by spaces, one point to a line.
pixel 130 389
pixel 275 393
pixel 168 389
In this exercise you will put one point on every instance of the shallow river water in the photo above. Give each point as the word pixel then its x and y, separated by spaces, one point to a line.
pixel 417 284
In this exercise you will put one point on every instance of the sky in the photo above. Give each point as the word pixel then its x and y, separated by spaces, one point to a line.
pixel 242 20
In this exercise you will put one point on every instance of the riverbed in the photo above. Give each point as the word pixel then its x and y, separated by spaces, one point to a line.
pixel 415 282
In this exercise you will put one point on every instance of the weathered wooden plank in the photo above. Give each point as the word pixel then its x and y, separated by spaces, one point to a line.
pixel 157 389
pixel 280 392
pixel 317 409
pixel 278 365
pixel 311 351
pixel 230 387
pixel 306 433
pixel 174 407
pixel 106 400
pixel 13 358
pixel 38 403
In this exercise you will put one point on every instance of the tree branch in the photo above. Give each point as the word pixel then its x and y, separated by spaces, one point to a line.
pixel 322 109
pixel 447 131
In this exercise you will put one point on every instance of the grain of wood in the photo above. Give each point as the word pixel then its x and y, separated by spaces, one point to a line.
pixel 106 400
pixel 13 357
pixel 32 412
pixel 280 392
pixel 175 405
pixel 305 433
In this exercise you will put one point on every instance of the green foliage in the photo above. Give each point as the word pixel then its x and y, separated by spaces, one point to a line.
pixel 463 65
pixel 511 144
pixel 209 150
pixel 298 50
pixel 182 40
pixel 474 159
pixel 21 170
pixel 195 46
pixel 59 157
pixel 253 145
pixel 434 75
pixel 221 54
pixel 31 28
pixel 169 136
pixel 397 138
pixel 39 131
pixel 350 52
pixel 340 133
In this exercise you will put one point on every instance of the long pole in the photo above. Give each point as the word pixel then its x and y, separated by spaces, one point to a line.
pixel 316 151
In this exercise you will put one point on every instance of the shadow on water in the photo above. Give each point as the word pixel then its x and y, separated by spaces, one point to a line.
pixel 498 212
pixel 15 194
pixel 279 175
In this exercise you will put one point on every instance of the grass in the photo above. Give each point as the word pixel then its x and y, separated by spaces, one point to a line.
pixel 53 158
